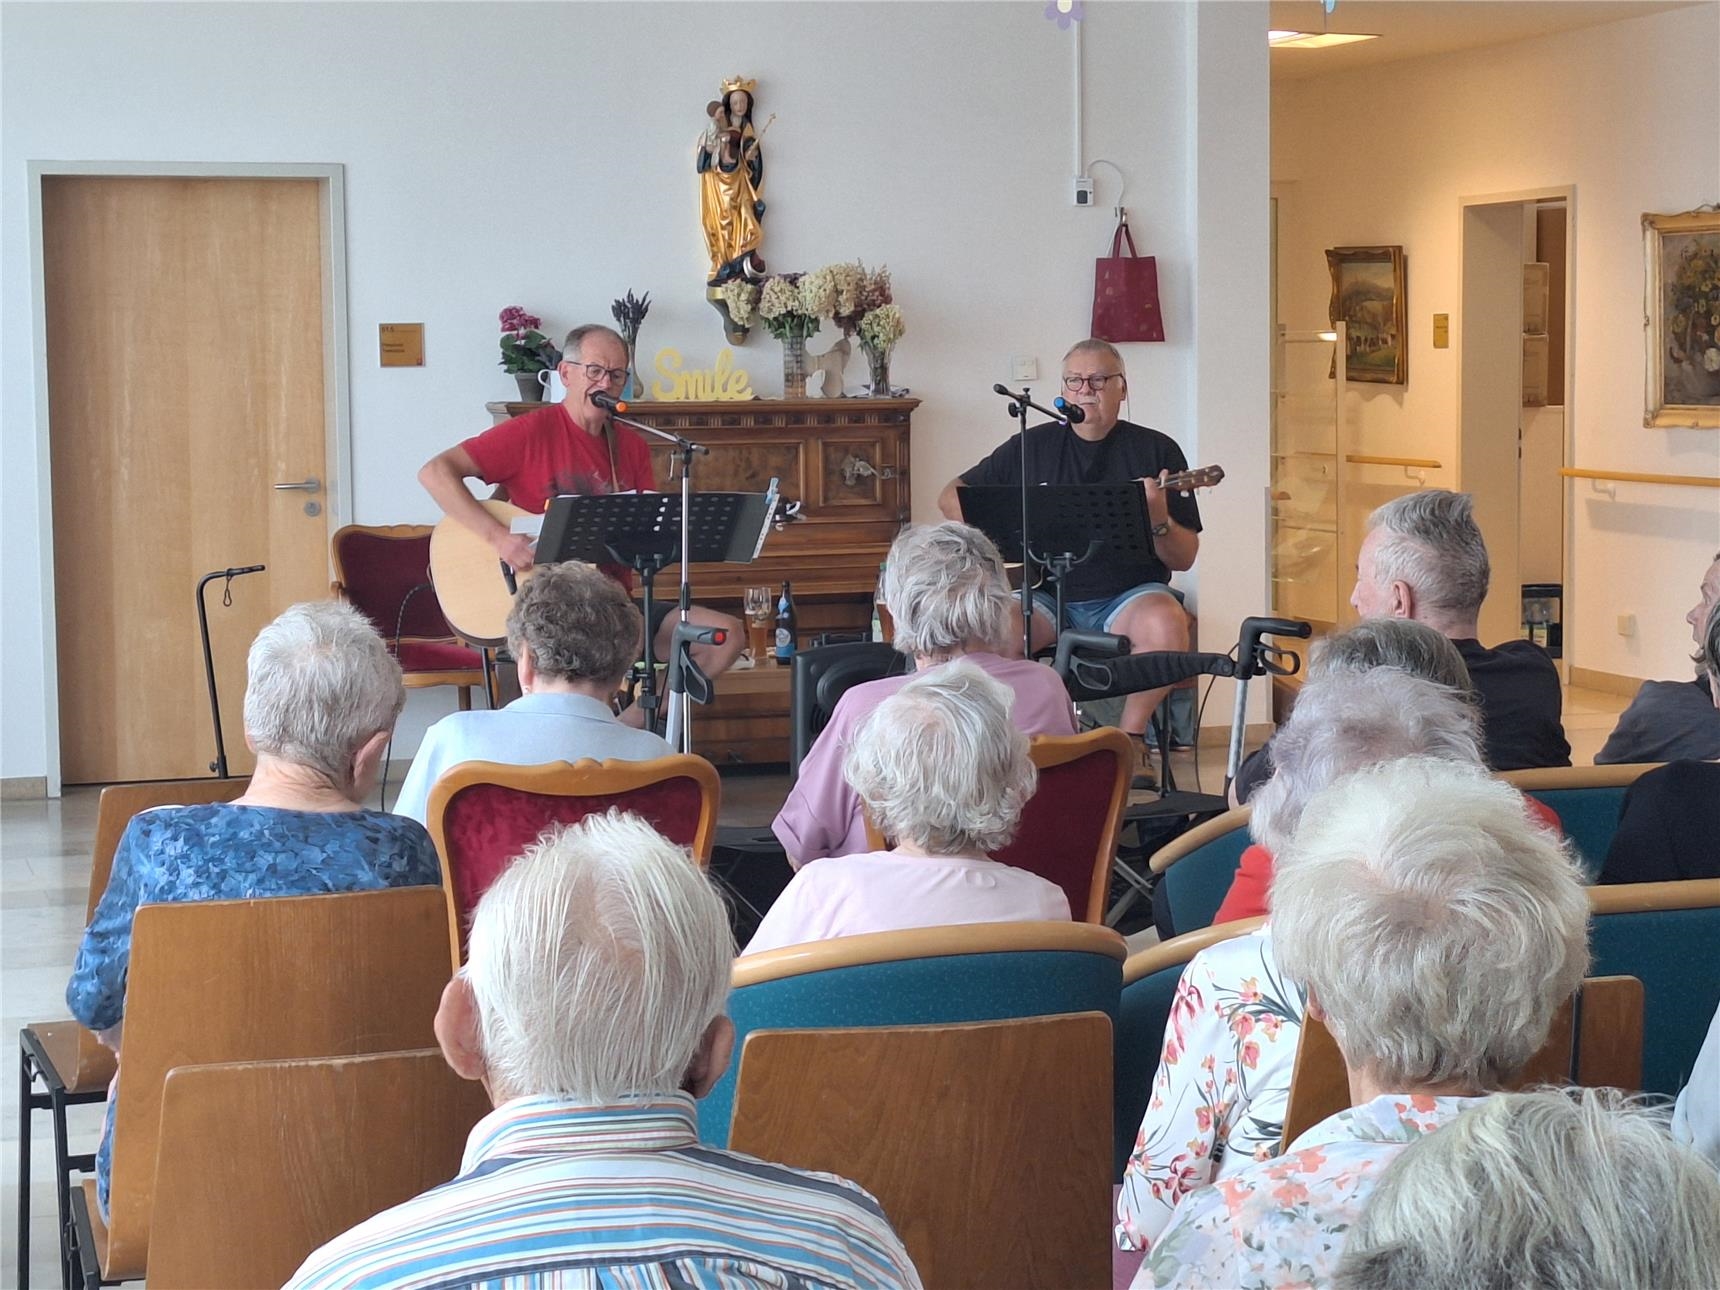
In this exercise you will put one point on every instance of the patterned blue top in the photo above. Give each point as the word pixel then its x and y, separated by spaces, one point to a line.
pixel 227 852
pixel 553 1195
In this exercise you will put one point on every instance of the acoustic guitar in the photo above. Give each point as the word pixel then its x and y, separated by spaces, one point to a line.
pixel 471 586
pixel 468 578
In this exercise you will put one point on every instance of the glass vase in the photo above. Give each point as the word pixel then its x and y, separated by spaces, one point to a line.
pixel 794 367
pixel 878 362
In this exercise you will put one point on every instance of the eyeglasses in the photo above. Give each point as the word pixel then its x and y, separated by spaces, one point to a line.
pixel 598 372
pixel 1093 383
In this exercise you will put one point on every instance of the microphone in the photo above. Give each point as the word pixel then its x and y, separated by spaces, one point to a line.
pixel 607 401
pixel 1005 391
pixel 1071 411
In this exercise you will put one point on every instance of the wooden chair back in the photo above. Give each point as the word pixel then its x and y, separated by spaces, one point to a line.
pixel 1070 826
pixel 1595 1041
pixel 483 814
pixel 989 1181
pixel 255 980
pixel 1587 800
pixel 114 810
pixel 285 1156
pixel 1664 934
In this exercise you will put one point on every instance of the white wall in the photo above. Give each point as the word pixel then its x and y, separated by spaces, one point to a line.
pixel 541 155
pixel 1608 110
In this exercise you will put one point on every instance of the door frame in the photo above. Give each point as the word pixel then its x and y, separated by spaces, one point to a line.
pixel 337 415
pixel 1566 193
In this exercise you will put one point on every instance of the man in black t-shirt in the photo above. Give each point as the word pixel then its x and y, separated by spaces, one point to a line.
pixel 1130 597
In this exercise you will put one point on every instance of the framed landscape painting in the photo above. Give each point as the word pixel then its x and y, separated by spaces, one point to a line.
pixel 1368 296
pixel 1681 318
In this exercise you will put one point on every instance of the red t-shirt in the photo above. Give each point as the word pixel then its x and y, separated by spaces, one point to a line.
pixel 1248 890
pixel 543 454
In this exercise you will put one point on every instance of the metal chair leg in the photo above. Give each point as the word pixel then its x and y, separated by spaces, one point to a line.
pixel 25 1080
pixel 62 1182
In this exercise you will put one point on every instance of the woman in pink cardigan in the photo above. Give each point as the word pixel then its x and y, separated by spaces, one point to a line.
pixel 945 589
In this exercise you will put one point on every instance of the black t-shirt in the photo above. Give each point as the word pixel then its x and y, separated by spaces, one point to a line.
pixel 1520 704
pixel 1667 826
pixel 1057 455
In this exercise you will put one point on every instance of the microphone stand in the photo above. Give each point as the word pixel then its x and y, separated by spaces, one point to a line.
pixel 219 765
pixel 1019 403
pixel 679 731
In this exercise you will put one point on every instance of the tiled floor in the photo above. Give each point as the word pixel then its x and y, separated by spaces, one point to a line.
pixel 44 872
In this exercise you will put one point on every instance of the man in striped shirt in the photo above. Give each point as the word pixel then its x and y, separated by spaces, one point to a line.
pixel 592 1009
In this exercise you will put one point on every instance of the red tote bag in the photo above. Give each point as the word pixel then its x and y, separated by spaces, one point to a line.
pixel 1126 293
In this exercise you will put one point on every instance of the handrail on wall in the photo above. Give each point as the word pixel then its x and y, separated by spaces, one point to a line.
pixel 1415 468
pixel 1637 477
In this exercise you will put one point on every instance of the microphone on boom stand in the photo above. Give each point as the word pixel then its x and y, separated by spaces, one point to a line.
pixel 608 402
pixel 1072 412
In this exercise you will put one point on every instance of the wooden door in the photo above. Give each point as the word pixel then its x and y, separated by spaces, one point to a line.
pixel 185 379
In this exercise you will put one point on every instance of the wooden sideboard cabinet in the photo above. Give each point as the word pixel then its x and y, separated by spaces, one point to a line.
pixel 846 462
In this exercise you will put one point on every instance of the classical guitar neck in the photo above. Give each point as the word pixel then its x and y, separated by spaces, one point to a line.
pixel 1187 480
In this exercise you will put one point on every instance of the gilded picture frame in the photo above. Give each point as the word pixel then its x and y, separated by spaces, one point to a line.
pixel 1681 319
pixel 1368 293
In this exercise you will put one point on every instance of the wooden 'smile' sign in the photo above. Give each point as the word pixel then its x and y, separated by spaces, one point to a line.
pixel 725 382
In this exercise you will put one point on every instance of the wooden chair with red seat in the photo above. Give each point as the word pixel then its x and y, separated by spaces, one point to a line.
pixel 384 571
pixel 483 814
pixel 73 1065
pixel 221 981
pixel 1069 827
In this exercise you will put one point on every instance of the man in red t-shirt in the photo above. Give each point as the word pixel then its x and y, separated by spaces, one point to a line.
pixel 571 447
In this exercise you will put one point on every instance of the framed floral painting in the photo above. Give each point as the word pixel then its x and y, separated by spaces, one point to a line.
pixel 1368 295
pixel 1681 318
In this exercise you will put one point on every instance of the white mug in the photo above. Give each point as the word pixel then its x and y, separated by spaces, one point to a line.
pixel 553 390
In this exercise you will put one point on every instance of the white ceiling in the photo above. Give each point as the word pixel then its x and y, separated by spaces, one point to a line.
pixel 1418 28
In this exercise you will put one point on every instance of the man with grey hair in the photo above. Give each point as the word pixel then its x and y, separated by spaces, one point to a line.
pixel 573 633
pixel 1424 559
pixel 321 698
pixel 1436 931
pixel 592 1010
pixel 1674 720
pixel 944 775
pixel 567 447
pixel 948 596
pixel 1578 1189
pixel 1130 597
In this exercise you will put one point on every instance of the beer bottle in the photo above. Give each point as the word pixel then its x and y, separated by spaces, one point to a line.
pixel 785 626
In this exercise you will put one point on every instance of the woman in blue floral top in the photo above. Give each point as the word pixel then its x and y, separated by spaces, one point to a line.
pixel 321 699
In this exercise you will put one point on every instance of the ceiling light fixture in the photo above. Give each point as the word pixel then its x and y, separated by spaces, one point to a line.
pixel 1314 39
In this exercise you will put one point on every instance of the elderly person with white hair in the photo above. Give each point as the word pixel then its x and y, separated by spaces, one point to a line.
pixel 1436 930
pixel 1424 559
pixel 1674 720
pixel 573 633
pixel 946 590
pixel 1577 1189
pixel 591 1007
pixel 944 775
pixel 1223 1078
pixel 321 698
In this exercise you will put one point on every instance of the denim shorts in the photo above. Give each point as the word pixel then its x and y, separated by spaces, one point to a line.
pixel 1098 615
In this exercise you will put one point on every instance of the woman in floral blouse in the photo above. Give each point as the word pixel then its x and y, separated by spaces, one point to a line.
pixel 1436 929
pixel 1218 1098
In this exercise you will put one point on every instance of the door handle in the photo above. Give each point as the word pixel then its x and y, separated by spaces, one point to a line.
pixel 311 485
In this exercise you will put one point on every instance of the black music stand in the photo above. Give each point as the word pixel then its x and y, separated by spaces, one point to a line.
pixel 643 531
pixel 1069 525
